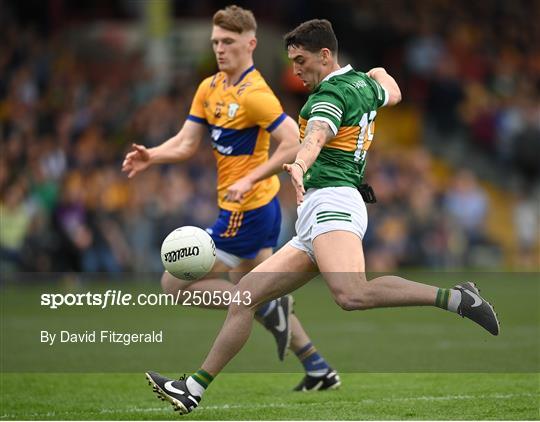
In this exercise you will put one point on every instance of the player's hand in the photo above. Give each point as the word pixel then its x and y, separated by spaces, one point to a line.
pixel 136 160
pixel 297 178
pixel 238 189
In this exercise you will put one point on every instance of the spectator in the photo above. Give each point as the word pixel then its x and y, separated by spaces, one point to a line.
pixel 62 118
pixel 15 222
pixel 466 203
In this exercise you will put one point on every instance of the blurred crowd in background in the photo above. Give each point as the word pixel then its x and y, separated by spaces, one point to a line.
pixel 469 72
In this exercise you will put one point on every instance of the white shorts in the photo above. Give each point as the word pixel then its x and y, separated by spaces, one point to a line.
pixel 328 209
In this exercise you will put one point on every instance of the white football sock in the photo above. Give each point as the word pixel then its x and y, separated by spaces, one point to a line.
pixel 454 300
pixel 194 387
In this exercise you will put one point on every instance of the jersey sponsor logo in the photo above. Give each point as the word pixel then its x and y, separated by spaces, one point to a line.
pixel 222 149
pixel 359 84
pixel 215 134
pixel 233 108
pixel 227 141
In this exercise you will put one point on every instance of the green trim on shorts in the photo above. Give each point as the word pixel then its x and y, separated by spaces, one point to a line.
pixel 322 220
pixel 327 213
pixel 323 216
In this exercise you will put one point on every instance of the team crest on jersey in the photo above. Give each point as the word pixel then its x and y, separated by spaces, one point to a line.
pixel 219 105
pixel 233 108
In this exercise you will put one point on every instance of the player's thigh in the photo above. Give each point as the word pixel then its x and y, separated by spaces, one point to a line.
pixel 285 271
pixel 339 251
pixel 340 257
pixel 246 265
pixel 171 284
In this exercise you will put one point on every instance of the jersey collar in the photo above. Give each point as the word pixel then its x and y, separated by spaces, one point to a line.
pixel 338 72
pixel 242 76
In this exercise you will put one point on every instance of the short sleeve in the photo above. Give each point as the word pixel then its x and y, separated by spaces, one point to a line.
pixel 380 91
pixel 196 112
pixel 264 109
pixel 327 105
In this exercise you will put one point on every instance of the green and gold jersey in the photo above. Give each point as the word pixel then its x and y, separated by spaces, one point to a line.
pixel 348 101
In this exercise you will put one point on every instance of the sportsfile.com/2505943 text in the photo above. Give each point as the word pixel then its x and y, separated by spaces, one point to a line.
pixel 119 298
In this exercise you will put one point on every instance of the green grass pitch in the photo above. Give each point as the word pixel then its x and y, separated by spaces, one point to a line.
pixel 267 396
pixel 395 364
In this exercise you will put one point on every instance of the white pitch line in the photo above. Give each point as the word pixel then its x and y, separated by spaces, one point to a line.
pixel 495 396
pixel 372 401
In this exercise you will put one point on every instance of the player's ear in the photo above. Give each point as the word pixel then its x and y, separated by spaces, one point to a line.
pixel 326 55
pixel 252 43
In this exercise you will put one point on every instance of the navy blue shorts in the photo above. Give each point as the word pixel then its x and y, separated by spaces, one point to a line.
pixel 244 234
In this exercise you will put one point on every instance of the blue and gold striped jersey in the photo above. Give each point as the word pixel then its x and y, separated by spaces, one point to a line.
pixel 240 119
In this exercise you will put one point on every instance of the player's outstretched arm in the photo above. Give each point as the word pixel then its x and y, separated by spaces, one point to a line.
pixel 388 82
pixel 318 133
pixel 287 136
pixel 178 148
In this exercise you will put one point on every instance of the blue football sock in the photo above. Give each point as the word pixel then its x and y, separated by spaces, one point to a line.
pixel 314 364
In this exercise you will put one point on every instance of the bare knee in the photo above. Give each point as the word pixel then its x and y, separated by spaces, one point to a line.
pixel 171 284
pixel 238 303
pixel 247 299
pixel 352 291
pixel 357 300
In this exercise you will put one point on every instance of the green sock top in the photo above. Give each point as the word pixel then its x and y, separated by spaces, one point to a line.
pixel 442 298
pixel 203 378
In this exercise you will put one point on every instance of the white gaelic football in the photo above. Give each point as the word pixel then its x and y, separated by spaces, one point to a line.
pixel 188 253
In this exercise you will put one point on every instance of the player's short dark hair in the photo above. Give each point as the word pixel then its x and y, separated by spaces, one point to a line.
pixel 234 18
pixel 312 36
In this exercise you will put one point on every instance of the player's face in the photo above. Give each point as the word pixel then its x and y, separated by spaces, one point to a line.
pixel 307 66
pixel 233 50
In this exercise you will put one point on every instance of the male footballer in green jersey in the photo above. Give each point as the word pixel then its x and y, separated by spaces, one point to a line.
pixel 337 124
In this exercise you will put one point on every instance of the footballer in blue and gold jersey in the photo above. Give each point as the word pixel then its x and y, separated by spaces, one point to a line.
pixel 240 118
